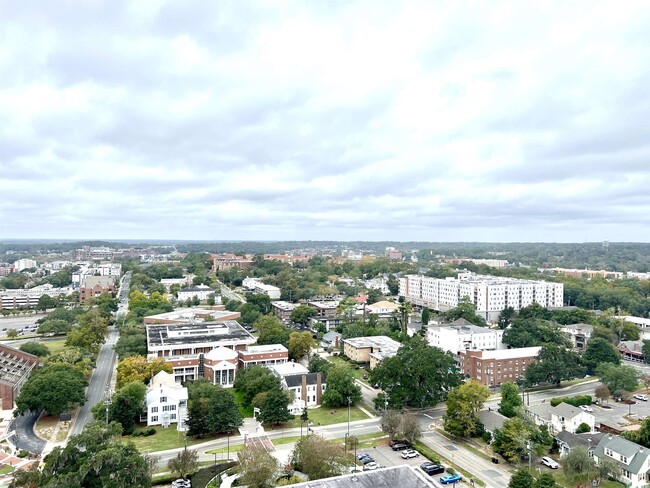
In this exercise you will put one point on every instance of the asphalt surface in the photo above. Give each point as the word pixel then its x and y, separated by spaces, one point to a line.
pixel 25 437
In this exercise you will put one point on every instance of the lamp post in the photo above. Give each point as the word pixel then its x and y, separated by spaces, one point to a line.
pixel 349 405
pixel 347 436
pixel 228 455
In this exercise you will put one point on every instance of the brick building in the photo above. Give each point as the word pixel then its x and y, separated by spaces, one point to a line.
pixel 15 368
pixel 491 368
pixel 93 286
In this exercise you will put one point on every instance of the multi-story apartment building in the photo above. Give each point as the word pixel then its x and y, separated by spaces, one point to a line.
pixel 372 349
pixel 490 294
pixel 256 285
pixel 6 269
pixel 492 368
pixel 24 298
pixel 22 264
pixel 93 286
pixel 457 338
pixel 282 310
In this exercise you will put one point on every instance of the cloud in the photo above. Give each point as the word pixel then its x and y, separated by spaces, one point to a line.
pixel 324 120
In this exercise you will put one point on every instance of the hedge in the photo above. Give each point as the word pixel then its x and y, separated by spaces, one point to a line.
pixel 576 401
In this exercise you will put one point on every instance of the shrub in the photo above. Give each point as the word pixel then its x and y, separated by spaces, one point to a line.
pixel 486 436
pixel 576 401
pixel 151 431
pixel 451 470
pixel 427 452
pixel 23 453
pixel 582 428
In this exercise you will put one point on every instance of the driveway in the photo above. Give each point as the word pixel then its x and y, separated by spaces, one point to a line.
pixel 25 437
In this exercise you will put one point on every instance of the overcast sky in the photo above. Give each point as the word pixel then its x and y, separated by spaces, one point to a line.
pixel 482 121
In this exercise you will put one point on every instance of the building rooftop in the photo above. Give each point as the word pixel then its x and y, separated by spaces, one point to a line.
pixel 282 305
pixel 197 288
pixel 636 453
pixel 391 477
pixel 294 380
pixel 521 352
pixel 467 328
pixel 286 369
pixel 178 334
pixel 221 354
pixel 491 420
pixel 386 344
pixel 265 349
pixel 191 315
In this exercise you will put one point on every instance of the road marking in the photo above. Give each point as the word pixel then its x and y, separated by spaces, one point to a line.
pixel 428 416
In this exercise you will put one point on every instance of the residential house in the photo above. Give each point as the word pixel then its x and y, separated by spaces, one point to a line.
pixel 307 390
pixel 567 440
pixel 331 339
pixel 166 401
pixel 491 420
pixel 561 417
pixel 392 476
pixel 579 334
pixel 631 350
pixel 633 460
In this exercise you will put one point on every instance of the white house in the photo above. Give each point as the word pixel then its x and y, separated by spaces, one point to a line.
pixel 166 401
pixel 307 390
pixel 561 417
pixel 633 460
pixel 202 292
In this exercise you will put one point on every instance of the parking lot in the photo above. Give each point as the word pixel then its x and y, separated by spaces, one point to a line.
pixel 385 456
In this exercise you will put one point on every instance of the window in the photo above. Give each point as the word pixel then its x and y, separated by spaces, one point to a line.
pixel 623 459
pixel 173 417
pixel 627 474
pixel 163 399
pixel 154 418
pixel 154 409
pixel 608 452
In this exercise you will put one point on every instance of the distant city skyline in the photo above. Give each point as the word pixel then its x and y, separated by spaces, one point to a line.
pixel 366 120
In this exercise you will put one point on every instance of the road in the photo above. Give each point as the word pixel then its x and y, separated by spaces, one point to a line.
pixel 25 437
pixel 231 295
pixel 99 382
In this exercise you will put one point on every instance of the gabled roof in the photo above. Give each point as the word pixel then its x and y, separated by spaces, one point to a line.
pixel 162 378
pixel 461 321
pixel 589 440
pixel 566 410
pixel 491 420
pixel 295 380
pixel 638 454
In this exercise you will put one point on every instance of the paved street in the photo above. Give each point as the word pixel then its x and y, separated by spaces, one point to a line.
pixel 99 381
pixel 231 295
pixel 25 437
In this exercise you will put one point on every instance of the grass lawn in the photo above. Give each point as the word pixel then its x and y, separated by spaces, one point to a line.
pixel 163 439
pixel 239 398
pixel 222 452
pixel 55 346
pixel 323 416
pixel 6 469
pixel 563 481
pixel 46 425
pixel 357 373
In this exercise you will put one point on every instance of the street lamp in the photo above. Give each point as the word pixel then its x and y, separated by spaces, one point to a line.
pixel 349 405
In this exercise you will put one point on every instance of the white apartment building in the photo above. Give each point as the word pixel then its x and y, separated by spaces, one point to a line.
pixel 166 401
pixel 256 285
pixel 457 338
pixel 490 294
pixel 22 264
pixel 23 298
pixel 202 292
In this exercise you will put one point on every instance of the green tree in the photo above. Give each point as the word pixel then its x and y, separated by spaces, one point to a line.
pixel 582 428
pixel 599 351
pixel 211 408
pixel 127 405
pixel 425 316
pixel 96 459
pixel 275 407
pixel 300 343
pixel 546 480
pixel 318 364
pixel 620 377
pixel 534 332
pixel 393 284
pixel 391 424
pixel 521 479
pixel 404 312
pixel 186 462
pixel 302 313
pixel 505 317
pixel 12 333
pixel 602 392
pixel 554 364
pixel 319 458
pixel 645 349
pixel 54 327
pixel 90 334
pixel 249 313
pixel 463 405
pixel 340 387
pixel 418 375
pixel 45 302
pixel 132 342
pixel 253 380
pixel 271 331
pixel 36 348
pixel 465 310
pixel 258 468
pixel 26 478
pixel 261 301
pixel 517 435
pixel 511 403
pixel 577 462
pixel 54 388
pixel 640 436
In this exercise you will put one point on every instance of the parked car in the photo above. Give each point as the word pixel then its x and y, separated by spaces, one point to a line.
pixel 367 460
pixel 181 483
pixel 362 455
pixel 432 468
pixel 551 463
pixel 450 478
pixel 399 446
pixel 409 453
pixel 370 466
pixel 397 442
pixel 643 398
pixel 586 408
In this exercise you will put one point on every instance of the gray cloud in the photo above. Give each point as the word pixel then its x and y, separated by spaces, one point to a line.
pixel 322 120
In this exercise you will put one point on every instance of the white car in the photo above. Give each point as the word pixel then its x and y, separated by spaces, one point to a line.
pixel 551 463
pixel 643 398
pixel 586 408
pixel 409 453
pixel 371 466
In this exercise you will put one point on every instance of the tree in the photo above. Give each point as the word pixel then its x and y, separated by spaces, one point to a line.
pixel 45 302
pixel 275 407
pixel 391 424
pixel 318 458
pixel 26 478
pixel 211 408
pixel 132 342
pixel 54 327
pixel 640 436
pixel 554 364
pixel 410 427
pixel 253 380
pixel 577 462
pixel 301 314
pixel 521 479
pixel 546 480
pixel 404 312
pixel 53 388
pixel 258 468
pixel 96 459
pixel 533 332
pixel 261 300
pixel 463 405
pixel 602 392
pixel 340 387
pixel 318 364
pixel 511 403
pixel 517 435
pixel 645 349
pixel 36 348
pixel 271 331
pixel 465 310
pixel 126 406
pixel 393 284
pixel 249 313
pixel 583 428
pixel 12 333
pixel 300 343
pixel 90 333
pixel 599 351
pixel 186 462
pixel 418 375
pixel 608 467
pixel 138 368
pixel 425 316
pixel 618 377
pixel 505 317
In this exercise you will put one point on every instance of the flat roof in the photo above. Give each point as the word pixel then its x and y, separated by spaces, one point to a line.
pixel 286 369
pixel 520 352
pixel 383 342
pixel 391 477
pixel 265 348
pixel 179 334
pixel 190 315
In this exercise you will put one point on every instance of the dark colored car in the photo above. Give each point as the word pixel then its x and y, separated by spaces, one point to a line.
pixel 432 468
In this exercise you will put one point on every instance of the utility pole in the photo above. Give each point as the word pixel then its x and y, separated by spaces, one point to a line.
pixel 107 403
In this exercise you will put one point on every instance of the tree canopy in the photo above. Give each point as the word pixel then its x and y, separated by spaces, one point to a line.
pixel 54 388
pixel 340 387
pixel 463 405
pixel 211 408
